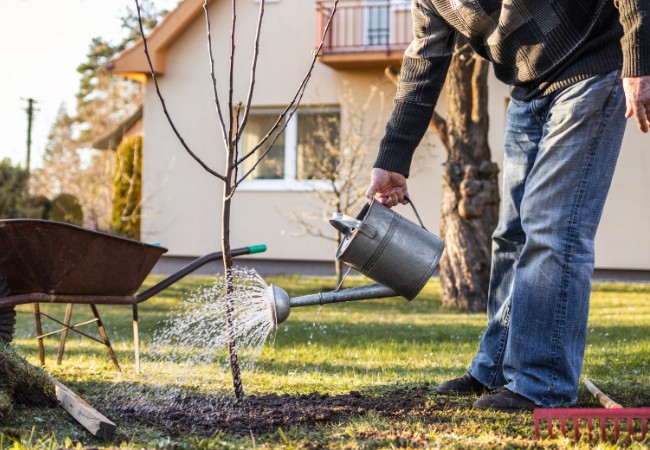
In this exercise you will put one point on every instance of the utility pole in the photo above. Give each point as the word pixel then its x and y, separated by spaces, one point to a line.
pixel 30 117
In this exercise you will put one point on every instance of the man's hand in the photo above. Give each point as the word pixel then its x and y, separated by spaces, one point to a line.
pixel 387 187
pixel 637 96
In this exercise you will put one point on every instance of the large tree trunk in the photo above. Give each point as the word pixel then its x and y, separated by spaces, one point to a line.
pixel 470 196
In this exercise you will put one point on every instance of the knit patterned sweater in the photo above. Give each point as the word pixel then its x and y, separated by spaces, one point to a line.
pixel 536 47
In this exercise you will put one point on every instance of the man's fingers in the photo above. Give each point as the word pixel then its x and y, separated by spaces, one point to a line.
pixel 384 199
pixel 370 192
pixel 630 110
pixel 637 96
pixel 386 187
pixel 642 116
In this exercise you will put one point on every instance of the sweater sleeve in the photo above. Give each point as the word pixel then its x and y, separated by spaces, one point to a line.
pixel 635 18
pixel 424 68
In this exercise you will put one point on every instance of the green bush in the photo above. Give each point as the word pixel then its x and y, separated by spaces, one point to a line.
pixel 66 208
pixel 13 189
pixel 127 188
pixel 37 207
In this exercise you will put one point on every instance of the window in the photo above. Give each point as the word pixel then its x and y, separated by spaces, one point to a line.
pixel 377 26
pixel 387 22
pixel 301 156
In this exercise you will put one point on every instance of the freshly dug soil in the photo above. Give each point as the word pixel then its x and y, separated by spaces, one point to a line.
pixel 267 413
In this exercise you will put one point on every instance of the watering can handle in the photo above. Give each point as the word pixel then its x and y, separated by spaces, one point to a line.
pixel 345 223
pixel 363 212
pixel 366 206
pixel 408 199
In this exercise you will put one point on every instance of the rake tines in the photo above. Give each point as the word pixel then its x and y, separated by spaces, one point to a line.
pixel 611 416
pixel 633 420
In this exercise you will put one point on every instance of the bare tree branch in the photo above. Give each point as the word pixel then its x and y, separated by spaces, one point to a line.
pixel 164 107
pixel 251 86
pixel 305 222
pixel 233 168
pixel 212 75
pixel 231 81
pixel 278 133
pixel 295 101
pixel 480 103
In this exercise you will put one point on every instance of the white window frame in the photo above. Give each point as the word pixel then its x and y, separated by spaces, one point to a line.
pixel 289 182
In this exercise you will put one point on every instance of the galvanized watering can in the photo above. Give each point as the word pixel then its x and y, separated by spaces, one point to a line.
pixel 381 244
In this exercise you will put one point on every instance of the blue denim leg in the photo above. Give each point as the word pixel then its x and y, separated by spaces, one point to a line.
pixel 560 155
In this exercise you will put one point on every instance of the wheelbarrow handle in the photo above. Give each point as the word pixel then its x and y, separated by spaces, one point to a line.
pixel 193 266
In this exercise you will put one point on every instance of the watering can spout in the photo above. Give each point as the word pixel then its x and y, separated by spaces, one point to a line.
pixel 398 254
pixel 281 303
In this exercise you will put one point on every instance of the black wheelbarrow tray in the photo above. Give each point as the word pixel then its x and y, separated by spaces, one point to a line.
pixel 43 261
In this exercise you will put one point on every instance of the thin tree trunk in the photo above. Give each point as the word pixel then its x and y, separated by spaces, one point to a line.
pixel 230 315
pixel 232 133
pixel 470 197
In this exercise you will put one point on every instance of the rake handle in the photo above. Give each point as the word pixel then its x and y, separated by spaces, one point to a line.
pixel 600 396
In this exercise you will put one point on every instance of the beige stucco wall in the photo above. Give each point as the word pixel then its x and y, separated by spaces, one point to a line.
pixel 182 201
pixel 623 240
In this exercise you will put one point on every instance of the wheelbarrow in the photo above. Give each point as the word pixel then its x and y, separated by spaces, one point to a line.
pixel 43 261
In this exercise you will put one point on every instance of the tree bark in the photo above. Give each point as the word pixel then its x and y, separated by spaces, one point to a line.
pixel 470 196
pixel 228 192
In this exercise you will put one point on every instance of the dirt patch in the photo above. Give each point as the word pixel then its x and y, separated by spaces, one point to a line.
pixel 261 414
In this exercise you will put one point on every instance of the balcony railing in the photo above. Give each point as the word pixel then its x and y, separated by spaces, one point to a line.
pixel 366 27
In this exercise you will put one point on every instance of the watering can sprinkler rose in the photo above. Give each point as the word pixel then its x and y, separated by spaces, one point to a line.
pixel 381 244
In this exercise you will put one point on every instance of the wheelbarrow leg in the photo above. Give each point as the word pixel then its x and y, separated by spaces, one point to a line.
pixel 64 333
pixel 39 333
pixel 136 338
pixel 102 331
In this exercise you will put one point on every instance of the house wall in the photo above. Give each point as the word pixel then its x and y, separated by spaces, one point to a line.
pixel 182 202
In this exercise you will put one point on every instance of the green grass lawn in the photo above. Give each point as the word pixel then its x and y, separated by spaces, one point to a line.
pixel 369 346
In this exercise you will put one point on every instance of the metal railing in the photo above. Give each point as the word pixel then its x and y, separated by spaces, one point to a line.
pixel 365 26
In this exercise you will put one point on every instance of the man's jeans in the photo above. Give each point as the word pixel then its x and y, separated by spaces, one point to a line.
pixel 560 155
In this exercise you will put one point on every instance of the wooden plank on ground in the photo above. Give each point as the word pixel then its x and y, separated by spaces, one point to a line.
pixel 86 415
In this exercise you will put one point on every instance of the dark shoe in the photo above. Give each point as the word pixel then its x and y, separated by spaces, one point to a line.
pixel 465 385
pixel 506 401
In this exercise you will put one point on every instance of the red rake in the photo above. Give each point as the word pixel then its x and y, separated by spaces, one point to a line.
pixel 612 414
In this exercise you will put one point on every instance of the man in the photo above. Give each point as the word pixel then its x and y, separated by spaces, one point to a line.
pixel 577 69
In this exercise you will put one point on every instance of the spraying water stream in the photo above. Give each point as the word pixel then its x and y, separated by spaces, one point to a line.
pixel 187 357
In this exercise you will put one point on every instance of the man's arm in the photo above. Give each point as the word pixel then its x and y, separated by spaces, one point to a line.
pixel 424 68
pixel 635 18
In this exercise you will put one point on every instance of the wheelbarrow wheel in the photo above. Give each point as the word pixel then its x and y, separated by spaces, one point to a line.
pixel 7 316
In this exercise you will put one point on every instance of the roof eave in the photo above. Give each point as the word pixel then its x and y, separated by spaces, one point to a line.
pixel 133 63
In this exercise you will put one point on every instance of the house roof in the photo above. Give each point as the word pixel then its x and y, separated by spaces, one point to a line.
pixel 112 139
pixel 132 62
